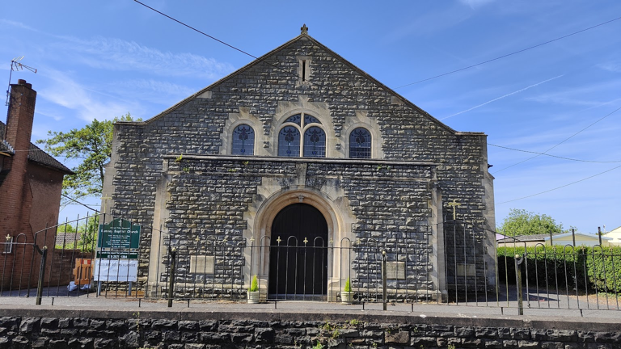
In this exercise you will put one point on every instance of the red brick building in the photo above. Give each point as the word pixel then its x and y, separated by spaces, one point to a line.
pixel 30 189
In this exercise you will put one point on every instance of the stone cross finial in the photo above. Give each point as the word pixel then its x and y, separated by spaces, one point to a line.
pixel 454 204
pixel 304 29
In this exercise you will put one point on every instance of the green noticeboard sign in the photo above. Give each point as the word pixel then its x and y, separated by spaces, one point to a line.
pixel 118 239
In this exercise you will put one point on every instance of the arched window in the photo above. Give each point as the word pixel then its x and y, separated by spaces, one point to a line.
pixel 243 140
pixel 290 142
pixel 360 143
pixel 314 143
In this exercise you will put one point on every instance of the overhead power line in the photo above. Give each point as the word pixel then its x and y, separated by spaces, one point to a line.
pixel 554 156
pixel 510 54
pixel 214 38
pixel 561 142
pixel 80 203
pixel 562 186
pixel 196 30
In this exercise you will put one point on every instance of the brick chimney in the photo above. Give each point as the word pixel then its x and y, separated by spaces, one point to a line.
pixel 13 189
pixel 20 117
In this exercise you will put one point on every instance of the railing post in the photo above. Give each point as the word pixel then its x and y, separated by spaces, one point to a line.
pixel 171 273
pixel 518 272
pixel 384 279
pixel 43 253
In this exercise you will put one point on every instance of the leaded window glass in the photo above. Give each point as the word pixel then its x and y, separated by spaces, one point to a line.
pixel 314 143
pixel 360 144
pixel 243 140
pixel 289 142
pixel 309 119
pixel 296 119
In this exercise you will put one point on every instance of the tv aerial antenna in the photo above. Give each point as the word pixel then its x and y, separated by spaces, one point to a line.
pixel 17 66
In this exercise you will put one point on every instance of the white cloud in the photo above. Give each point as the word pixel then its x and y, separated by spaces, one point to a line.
pixel 428 23
pixel 501 97
pixel 153 91
pixel 611 66
pixel 16 24
pixel 68 93
pixel 120 55
pixel 476 3
pixel 588 95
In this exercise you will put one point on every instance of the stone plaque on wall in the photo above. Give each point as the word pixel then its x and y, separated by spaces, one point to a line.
pixel 395 270
pixel 466 270
pixel 202 264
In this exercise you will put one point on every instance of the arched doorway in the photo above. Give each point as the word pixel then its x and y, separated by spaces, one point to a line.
pixel 298 253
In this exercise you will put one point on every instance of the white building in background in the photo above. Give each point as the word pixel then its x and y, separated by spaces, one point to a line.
pixel 581 240
pixel 614 235
pixel 564 239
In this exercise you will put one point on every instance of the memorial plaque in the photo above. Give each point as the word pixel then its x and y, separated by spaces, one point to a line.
pixel 395 270
pixel 466 270
pixel 202 264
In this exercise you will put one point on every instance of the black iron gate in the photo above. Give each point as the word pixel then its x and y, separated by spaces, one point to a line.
pixel 298 254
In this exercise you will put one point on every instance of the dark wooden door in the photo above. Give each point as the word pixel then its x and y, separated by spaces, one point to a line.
pixel 298 253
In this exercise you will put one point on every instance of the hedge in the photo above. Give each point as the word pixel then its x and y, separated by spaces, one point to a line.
pixel 564 267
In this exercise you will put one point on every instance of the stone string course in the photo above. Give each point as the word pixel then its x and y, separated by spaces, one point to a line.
pixel 75 329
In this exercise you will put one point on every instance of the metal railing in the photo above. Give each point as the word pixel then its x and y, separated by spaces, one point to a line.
pixel 398 267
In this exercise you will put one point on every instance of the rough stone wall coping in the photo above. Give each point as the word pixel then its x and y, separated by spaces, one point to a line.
pixel 189 314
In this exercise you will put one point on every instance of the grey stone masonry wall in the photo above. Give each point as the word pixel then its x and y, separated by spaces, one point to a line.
pixel 118 329
pixel 263 94
pixel 207 198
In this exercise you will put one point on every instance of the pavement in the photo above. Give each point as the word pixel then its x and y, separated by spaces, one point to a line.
pixel 539 305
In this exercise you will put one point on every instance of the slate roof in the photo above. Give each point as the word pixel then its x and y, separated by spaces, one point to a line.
pixel 524 238
pixel 5 147
pixel 35 154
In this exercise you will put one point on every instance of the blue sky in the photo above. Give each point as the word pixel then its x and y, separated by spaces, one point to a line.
pixel 107 58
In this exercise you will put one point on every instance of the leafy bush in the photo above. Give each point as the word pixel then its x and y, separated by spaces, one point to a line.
pixel 86 231
pixel 564 268
pixel 604 268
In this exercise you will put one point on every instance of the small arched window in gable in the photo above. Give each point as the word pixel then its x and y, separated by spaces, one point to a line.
pixel 314 143
pixel 360 143
pixel 289 142
pixel 243 140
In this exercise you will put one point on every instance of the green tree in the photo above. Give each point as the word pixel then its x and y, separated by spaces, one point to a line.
pixel 522 222
pixel 86 230
pixel 91 144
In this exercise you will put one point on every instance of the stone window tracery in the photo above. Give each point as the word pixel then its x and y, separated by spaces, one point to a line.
pixel 292 144
pixel 243 140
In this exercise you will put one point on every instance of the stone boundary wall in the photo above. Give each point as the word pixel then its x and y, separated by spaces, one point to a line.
pixel 64 328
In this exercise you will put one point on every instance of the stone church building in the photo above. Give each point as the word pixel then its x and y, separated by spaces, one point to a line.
pixel 301 148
